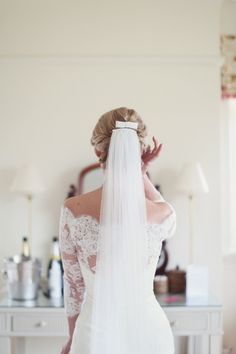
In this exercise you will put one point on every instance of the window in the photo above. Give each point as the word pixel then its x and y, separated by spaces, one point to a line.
pixel 228 175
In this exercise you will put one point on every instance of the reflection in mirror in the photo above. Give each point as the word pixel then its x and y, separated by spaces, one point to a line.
pixel 90 178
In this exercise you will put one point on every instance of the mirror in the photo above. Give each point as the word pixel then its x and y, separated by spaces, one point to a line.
pixel 89 179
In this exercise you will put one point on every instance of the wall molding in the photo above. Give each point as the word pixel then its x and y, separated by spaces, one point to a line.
pixel 114 60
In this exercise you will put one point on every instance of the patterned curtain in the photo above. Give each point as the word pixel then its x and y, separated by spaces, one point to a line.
pixel 228 71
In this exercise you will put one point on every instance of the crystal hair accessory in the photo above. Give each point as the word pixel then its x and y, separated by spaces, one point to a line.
pixel 129 125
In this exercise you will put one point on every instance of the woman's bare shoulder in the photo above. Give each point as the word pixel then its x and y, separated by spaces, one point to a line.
pixel 83 203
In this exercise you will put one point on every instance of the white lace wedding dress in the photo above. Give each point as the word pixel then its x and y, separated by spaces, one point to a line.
pixel 78 237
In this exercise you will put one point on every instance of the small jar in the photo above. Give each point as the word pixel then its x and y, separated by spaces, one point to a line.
pixel 160 284
pixel 176 280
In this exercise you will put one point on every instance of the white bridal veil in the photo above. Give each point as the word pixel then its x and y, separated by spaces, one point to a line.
pixel 118 317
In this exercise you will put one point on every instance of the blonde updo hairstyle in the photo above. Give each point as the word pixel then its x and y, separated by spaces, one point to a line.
pixel 102 132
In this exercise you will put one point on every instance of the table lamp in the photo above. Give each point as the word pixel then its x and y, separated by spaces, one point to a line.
pixel 192 182
pixel 28 183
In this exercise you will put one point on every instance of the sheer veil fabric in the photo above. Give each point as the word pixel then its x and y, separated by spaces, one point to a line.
pixel 119 317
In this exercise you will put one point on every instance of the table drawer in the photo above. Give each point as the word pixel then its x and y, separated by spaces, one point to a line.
pixel 3 322
pixel 189 321
pixel 39 324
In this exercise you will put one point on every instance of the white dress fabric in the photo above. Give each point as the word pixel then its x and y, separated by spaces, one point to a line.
pixel 78 237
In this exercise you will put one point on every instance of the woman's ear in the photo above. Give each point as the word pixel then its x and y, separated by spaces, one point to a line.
pixel 97 152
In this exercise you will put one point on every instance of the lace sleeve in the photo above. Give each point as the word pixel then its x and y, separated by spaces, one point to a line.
pixel 74 286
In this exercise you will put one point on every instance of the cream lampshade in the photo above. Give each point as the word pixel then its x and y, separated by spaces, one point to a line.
pixel 28 183
pixel 192 180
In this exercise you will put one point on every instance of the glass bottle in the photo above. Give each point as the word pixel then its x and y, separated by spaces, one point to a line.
pixel 55 271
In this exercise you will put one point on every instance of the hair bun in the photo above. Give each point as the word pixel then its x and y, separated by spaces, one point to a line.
pixel 111 120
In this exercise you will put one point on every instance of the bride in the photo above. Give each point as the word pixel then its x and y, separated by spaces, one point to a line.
pixel 110 241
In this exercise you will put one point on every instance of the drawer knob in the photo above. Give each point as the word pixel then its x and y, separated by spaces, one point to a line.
pixel 173 323
pixel 41 324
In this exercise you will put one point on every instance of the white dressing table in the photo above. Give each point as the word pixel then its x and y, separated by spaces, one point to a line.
pixel 199 319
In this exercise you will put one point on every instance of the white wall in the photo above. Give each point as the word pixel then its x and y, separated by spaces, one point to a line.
pixel 63 64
